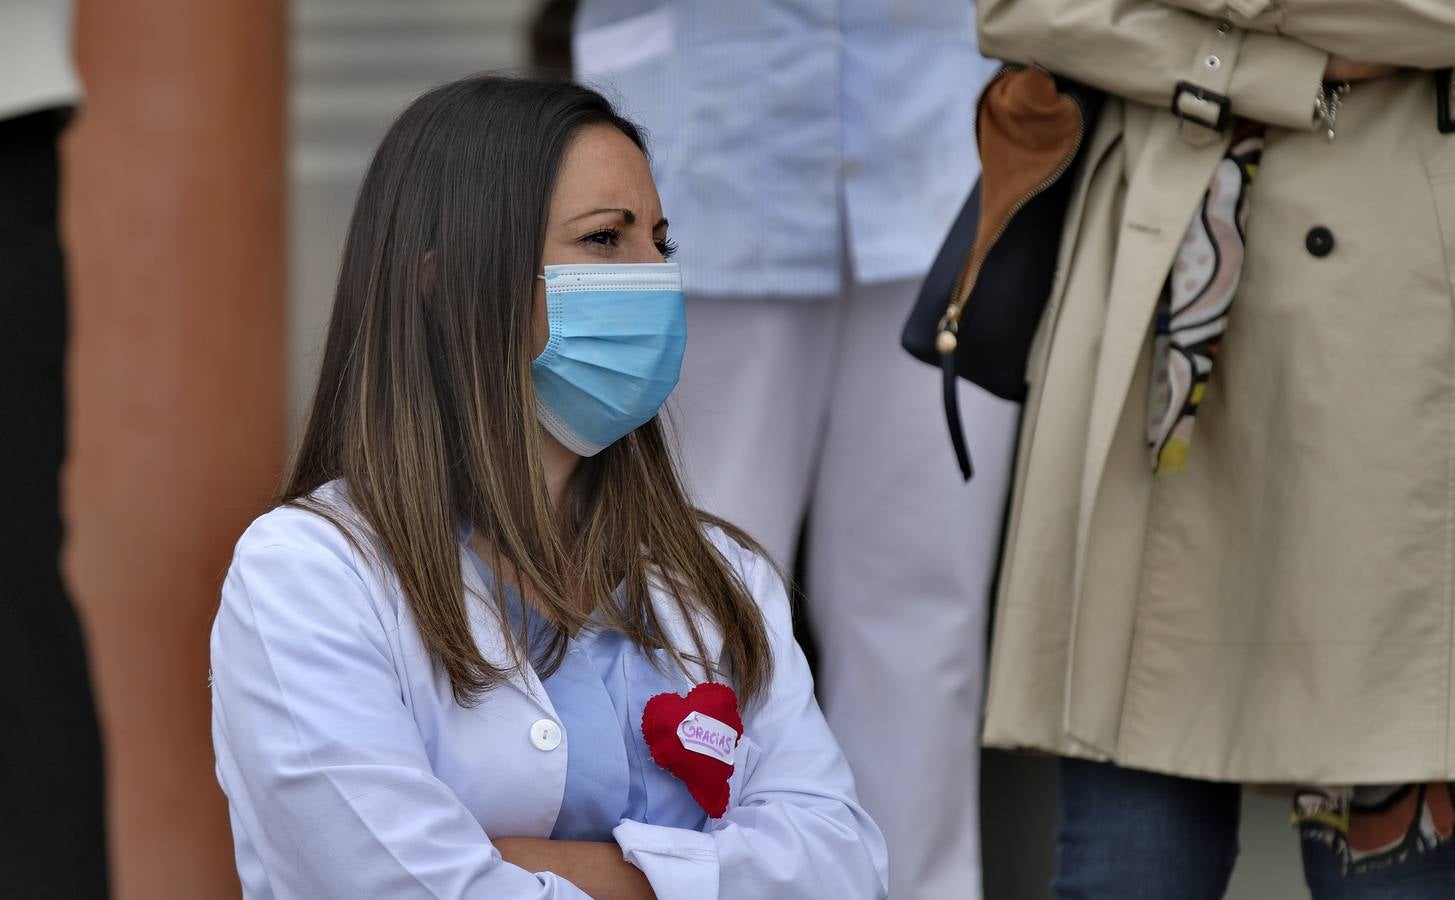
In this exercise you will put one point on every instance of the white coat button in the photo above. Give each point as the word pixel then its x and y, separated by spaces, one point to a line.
pixel 545 735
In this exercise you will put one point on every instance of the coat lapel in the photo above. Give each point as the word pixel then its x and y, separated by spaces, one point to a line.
pixel 489 634
pixel 1170 179
pixel 678 632
pixel 1167 183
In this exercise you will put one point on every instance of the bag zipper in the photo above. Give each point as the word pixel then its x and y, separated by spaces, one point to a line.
pixel 947 339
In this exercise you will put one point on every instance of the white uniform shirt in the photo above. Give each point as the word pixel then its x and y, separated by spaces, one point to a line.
pixel 781 129
pixel 351 771
pixel 35 57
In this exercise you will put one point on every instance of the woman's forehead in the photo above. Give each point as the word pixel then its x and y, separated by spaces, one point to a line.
pixel 603 169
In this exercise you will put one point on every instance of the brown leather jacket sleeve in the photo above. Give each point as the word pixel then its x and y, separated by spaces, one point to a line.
pixel 1142 49
pixel 1415 33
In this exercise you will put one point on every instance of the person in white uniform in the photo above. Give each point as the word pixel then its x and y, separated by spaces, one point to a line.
pixel 813 154
pixel 484 647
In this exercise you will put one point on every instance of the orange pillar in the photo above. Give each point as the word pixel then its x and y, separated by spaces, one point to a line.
pixel 174 205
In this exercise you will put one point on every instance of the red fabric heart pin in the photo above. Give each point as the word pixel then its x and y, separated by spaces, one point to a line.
pixel 696 739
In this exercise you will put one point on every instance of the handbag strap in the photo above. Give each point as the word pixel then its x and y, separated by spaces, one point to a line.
pixel 952 415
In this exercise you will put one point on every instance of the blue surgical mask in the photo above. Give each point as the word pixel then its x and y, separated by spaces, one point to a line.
pixel 615 350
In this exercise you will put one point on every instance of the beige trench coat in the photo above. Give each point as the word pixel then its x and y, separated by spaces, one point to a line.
pixel 1282 611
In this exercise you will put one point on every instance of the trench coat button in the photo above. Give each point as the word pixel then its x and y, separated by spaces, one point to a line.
pixel 545 735
pixel 1320 241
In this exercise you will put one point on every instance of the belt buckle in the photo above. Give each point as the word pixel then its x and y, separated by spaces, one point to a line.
pixel 1224 105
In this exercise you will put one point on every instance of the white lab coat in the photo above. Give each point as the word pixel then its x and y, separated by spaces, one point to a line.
pixel 351 771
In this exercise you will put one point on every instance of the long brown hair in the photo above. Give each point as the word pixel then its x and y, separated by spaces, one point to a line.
pixel 424 406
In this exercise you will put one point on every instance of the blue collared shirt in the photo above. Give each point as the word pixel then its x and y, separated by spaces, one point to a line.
pixel 600 691
pixel 785 131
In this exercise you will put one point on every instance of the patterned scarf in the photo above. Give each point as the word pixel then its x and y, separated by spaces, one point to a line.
pixel 1193 312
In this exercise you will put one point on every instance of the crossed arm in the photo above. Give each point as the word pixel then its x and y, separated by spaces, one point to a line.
pixel 595 867
pixel 1141 49
pixel 1417 34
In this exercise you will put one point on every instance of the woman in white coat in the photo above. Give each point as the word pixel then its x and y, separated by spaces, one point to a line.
pixel 484 647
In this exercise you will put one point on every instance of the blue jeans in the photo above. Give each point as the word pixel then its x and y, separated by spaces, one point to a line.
pixel 1131 835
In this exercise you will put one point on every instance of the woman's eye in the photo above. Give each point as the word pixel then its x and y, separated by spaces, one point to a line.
pixel 606 237
pixel 667 247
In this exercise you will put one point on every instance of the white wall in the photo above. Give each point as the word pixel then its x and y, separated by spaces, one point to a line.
pixel 355 65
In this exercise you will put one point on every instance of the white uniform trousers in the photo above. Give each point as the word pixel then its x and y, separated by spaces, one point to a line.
pixel 790 406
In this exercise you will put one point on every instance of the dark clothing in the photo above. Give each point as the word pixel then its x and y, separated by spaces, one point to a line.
pixel 52 831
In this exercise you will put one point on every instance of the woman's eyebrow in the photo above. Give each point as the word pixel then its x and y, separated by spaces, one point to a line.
pixel 626 214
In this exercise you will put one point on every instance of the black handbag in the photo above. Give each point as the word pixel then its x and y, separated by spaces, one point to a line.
pixel 984 296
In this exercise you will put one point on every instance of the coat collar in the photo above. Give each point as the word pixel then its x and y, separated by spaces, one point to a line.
pixel 677 629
